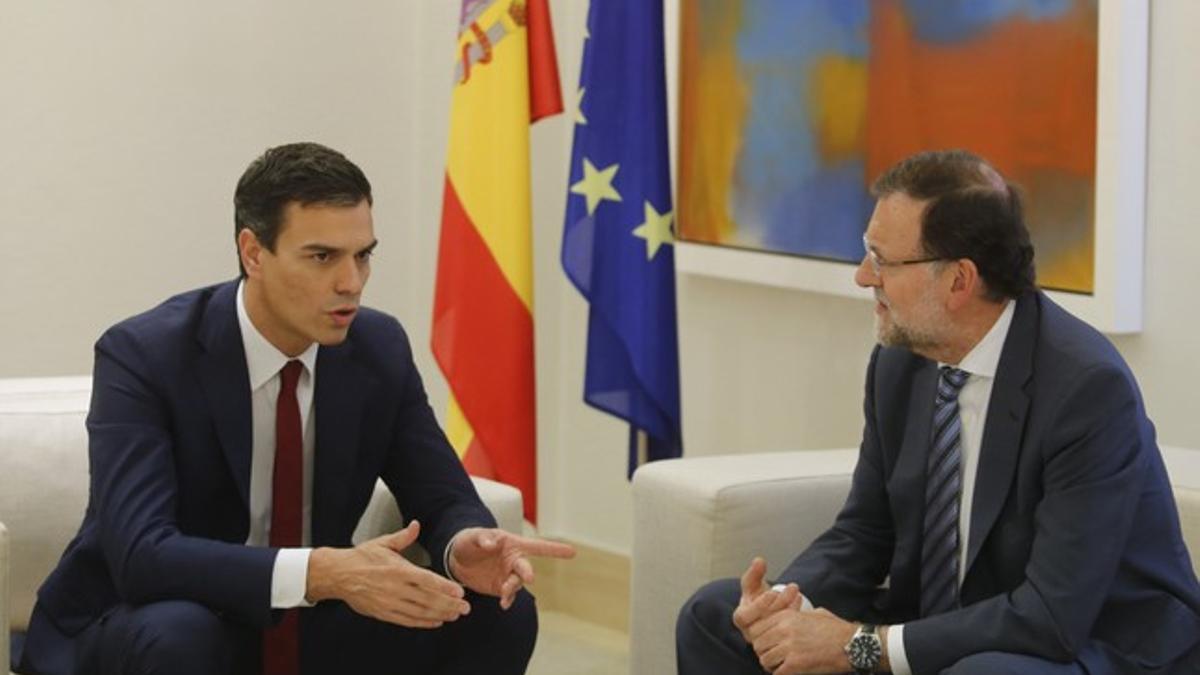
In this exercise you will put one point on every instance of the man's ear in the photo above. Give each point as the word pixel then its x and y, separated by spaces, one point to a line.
pixel 250 251
pixel 965 283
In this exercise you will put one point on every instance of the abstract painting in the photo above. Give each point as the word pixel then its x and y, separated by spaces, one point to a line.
pixel 789 109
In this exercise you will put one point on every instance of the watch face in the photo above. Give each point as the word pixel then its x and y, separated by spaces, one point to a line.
pixel 864 651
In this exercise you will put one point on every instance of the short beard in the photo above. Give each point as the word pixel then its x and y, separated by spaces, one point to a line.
pixel 922 335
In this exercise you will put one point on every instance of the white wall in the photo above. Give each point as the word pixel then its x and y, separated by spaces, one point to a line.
pixel 124 125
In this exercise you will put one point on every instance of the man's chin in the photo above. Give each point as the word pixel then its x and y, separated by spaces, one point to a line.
pixel 333 338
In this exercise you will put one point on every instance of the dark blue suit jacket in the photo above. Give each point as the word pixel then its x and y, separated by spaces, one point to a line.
pixel 1074 550
pixel 169 450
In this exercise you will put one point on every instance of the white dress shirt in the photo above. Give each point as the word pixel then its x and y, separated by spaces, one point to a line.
pixel 981 362
pixel 289 578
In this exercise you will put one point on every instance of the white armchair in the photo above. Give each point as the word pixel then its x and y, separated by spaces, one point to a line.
pixel 44 490
pixel 701 519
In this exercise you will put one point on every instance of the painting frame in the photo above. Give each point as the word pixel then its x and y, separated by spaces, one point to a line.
pixel 1115 305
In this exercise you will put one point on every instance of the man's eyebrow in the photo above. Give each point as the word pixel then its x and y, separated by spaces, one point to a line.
pixel 317 247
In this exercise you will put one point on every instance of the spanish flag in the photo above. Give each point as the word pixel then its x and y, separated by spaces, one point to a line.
pixel 505 78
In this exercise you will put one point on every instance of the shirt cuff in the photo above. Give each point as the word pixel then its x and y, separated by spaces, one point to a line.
pixel 895 650
pixel 805 604
pixel 289 578
pixel 446 558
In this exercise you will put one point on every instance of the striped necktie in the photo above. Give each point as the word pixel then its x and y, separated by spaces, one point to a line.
pixel 943 485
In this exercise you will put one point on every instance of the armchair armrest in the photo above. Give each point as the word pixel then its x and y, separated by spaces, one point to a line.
pixel 383 516
pixel 701 519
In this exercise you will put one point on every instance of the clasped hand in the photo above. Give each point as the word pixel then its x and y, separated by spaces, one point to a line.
pixel 786 639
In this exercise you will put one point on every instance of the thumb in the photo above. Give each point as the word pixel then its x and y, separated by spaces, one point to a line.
pixel 402 539
pixel 752 580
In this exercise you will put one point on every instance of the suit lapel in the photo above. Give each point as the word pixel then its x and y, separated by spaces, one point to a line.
pixel 908 479
pixel 343 386
pixel 1005 424
pixel 225 382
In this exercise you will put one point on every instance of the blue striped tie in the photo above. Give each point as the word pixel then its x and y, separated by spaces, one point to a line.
pixel 943 483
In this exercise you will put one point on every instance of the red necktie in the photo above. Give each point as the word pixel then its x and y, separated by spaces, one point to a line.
pixel 281 643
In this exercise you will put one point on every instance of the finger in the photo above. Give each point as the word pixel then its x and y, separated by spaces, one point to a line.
pixel 432 582
pixel 542 548
pixel 508 591
pixel 797 603
pixel 510 586
pixel 748 614
pixel 752 579
pixel 523 569
pixel 784 668
pixel 769 655
pixel 418 608
pixel 785 598
pixel 767 640
pixel 765 624
pixel 436 605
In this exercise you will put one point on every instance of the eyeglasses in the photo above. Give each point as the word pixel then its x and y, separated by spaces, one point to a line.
pixel 877 263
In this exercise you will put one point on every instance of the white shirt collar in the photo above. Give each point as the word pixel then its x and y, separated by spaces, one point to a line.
pixel 263 359
pixel 984 357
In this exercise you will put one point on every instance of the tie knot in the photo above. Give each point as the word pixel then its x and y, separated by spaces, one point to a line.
pixel 951 382
pixel 289 375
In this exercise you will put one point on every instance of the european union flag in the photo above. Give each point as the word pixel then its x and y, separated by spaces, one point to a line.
pixel 618 242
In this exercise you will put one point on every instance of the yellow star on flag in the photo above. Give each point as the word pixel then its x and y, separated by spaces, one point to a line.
pixel 656 230
pixel 596 185
pixel 579 118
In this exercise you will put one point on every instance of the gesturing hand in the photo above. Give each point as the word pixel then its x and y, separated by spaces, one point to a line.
pixel 493 561
pixel 758 601
pixel 375 580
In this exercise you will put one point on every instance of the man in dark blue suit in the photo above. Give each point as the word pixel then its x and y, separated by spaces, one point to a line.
pixel 1009 512
pixel 236 434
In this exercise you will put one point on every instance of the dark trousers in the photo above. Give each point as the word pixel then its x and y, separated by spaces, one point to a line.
pixel 706 641
pixel 183 638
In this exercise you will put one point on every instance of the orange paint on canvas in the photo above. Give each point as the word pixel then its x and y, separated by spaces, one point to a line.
pixel 709 143
pixel 1022 94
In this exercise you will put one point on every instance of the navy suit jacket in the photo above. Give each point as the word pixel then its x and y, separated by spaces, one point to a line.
pixel 1074 550
pixel 169 450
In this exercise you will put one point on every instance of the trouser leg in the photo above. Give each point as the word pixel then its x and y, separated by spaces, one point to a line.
pixel 335 639
pixel 168 638
pixel 706 641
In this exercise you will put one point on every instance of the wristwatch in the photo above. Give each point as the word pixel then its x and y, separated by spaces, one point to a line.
pixel 864 649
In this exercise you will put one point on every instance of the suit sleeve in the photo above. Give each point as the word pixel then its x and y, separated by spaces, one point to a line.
pixel 843 568
pixel 134 495
pixel 424 472
pixel 1093 475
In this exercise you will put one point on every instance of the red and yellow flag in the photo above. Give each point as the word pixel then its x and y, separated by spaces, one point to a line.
pixel 505 78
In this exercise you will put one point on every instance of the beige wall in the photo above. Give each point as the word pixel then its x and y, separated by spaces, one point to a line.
pixel 125 124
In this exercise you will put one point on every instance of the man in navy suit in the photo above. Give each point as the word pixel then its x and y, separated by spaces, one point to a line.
pixel 236 433
pixel 1009 512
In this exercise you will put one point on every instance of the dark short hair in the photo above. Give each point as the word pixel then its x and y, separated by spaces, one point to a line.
pixel 972 212
pixel 307 173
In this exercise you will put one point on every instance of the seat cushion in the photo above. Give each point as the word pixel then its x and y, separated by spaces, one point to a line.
pixel 43 477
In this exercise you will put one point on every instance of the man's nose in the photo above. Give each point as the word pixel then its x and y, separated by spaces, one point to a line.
pixel 865 275
pixel 350 278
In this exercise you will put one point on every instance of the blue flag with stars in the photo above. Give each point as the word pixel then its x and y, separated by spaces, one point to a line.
pixel 618 239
